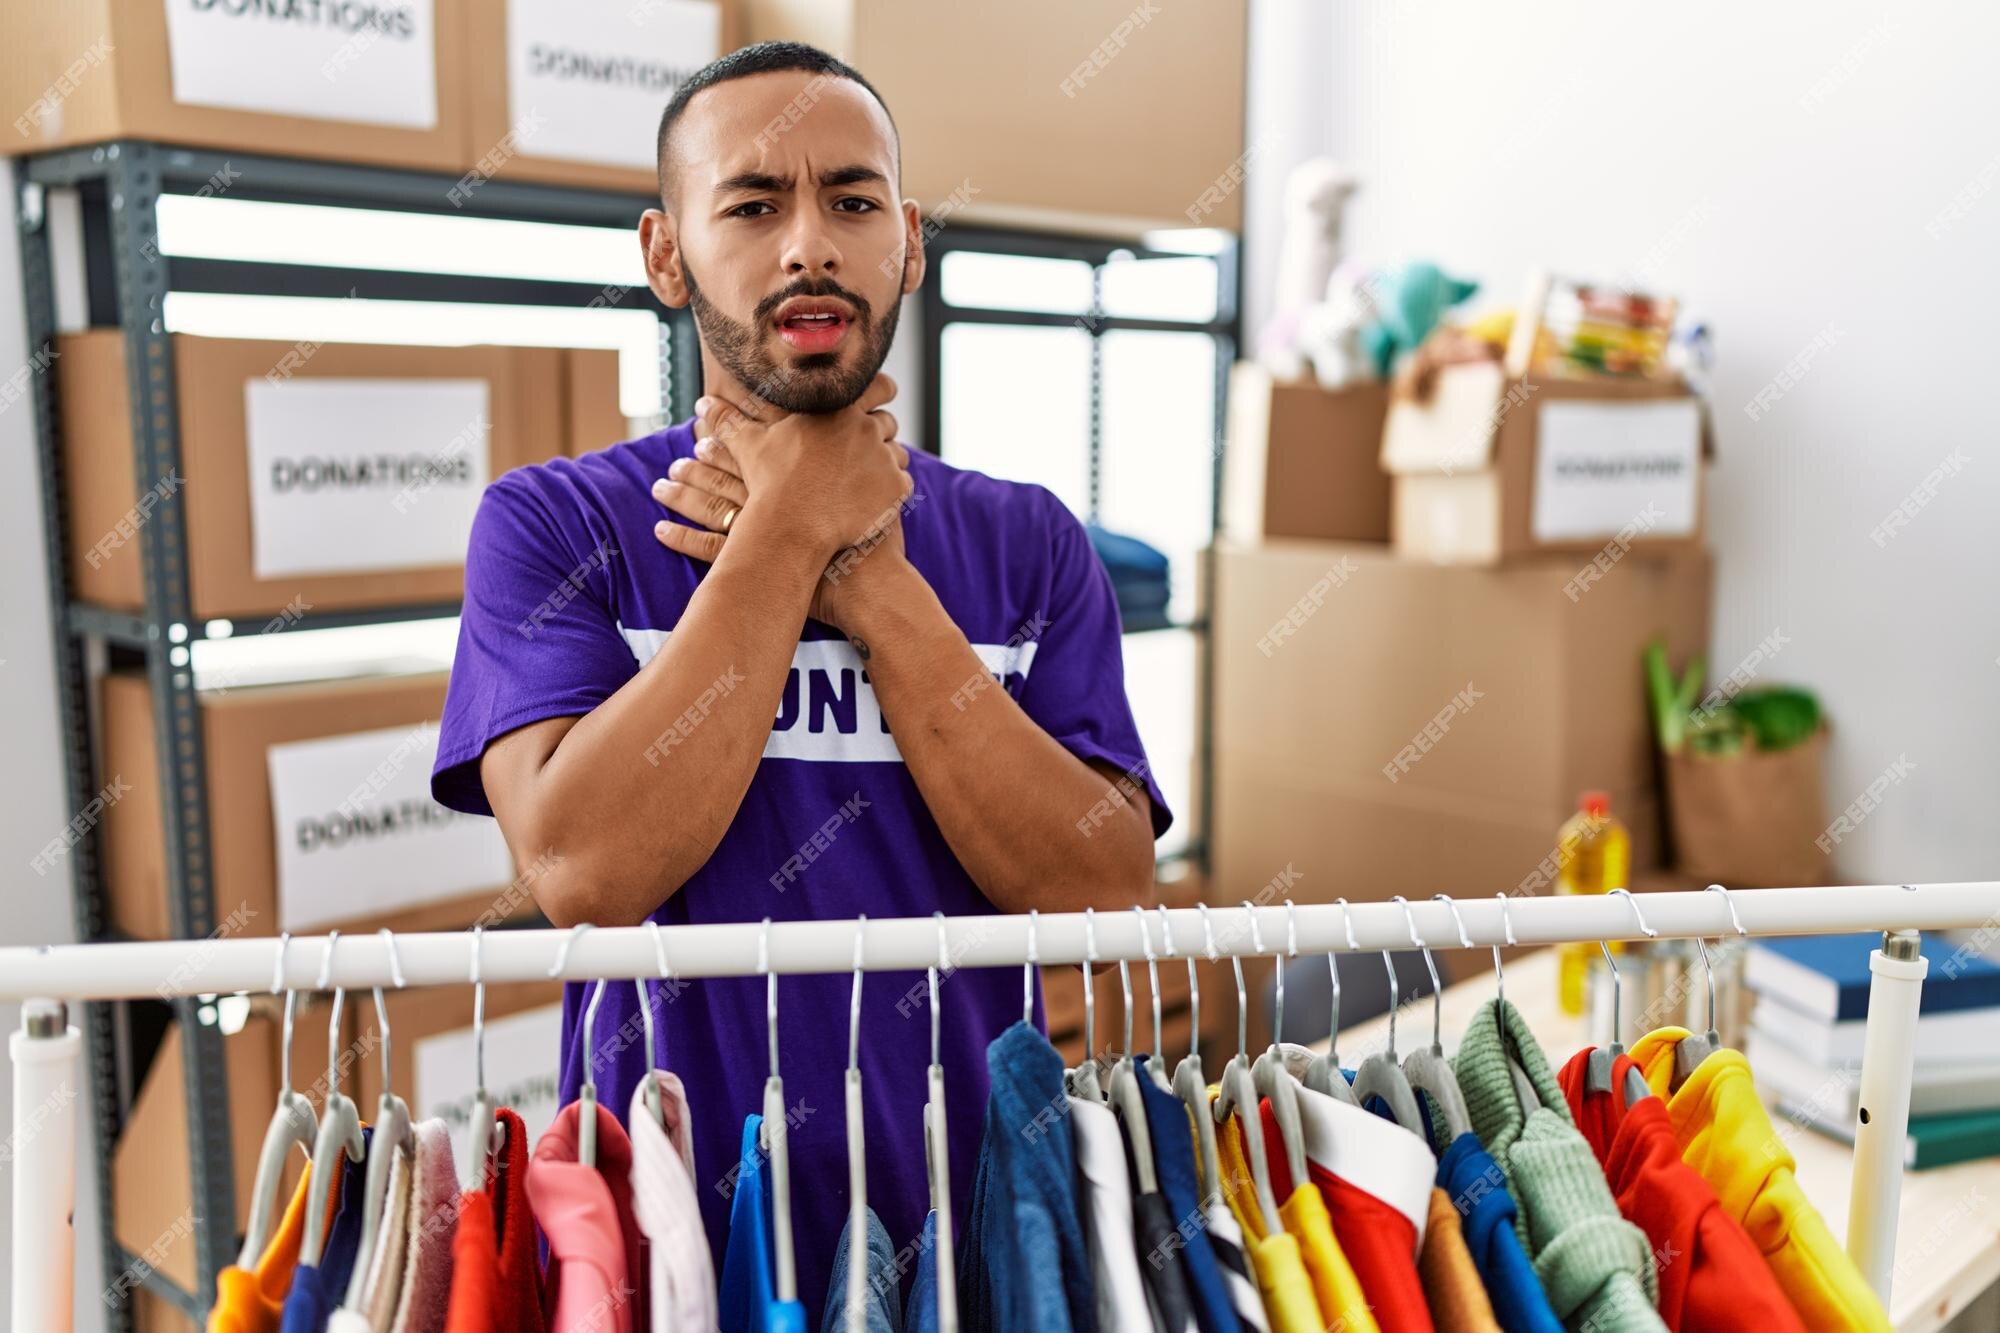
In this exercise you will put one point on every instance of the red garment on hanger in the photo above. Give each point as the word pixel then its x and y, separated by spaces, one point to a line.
pixel 496 1276
pixel 1711 1273
pixel 598 1267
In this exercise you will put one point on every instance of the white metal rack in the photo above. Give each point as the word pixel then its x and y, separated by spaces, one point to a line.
pixel 222 966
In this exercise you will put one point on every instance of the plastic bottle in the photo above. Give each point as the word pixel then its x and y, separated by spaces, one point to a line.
pixel 1593 855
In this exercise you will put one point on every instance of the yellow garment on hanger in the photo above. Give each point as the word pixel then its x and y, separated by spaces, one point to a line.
pixel 1306 1281
pixel 247 1302
pixel 1726 1135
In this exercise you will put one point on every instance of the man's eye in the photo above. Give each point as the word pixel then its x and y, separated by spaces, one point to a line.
pixel 744 210
pixel 858 204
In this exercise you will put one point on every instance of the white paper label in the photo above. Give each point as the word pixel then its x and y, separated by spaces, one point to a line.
pixel 587 79
pixel 358 833
pixel 1612 469
pixel 353 475
pixel 371 61
pixel 522 1063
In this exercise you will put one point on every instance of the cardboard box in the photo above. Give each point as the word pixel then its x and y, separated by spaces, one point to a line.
pixel 1083 114
pixel 364 83
pixel 572 93
pixel 1384 726
pixel 319 813
pixel 1492 467
pixel 430 1051
pixel 274 440
pixel 152 1179
pixel 1302 461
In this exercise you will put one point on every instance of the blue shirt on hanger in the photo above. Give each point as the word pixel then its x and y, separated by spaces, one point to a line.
pixel 316 1291
pixel 1468 1173
pixel 747 1296
pixel 1173 1162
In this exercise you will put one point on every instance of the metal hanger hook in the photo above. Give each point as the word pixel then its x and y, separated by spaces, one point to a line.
pixel 1089 983
pixel 1333 975
pixel 1028 969
pixel 1152 977
pixel 854 999
pixel 1464 939
pixel 770 991
pixel 1735 921
pixel 589 1010
pixel 1277 972
pixel 478 1014
pixel 333 1024
pixel 1430 964
pixel 291 1008
pixel 1395 1001
pixel 1507 924
pixel 1633 903
pixel 382 1009
pixel 646 1001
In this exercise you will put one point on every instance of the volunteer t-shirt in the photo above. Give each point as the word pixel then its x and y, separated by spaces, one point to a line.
pixel 568 594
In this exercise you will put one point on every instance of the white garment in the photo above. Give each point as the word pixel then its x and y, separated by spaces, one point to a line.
pixel 347 1321
pixel 1122 1305
pixel 385 1266
pixel 423 1297
pixel 663 1200
pixel 1377 1156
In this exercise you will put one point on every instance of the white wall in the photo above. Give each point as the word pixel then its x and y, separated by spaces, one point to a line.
pixel 34 909
pixel 1787 170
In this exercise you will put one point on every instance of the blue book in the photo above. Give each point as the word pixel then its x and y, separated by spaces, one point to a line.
pixel 1826 976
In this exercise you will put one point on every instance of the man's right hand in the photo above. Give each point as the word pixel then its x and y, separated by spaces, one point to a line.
pixel 830 481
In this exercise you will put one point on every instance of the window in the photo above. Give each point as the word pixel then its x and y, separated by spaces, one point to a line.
pixel 1096 369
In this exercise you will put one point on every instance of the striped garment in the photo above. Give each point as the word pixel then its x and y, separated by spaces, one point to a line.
pixel 1226 1239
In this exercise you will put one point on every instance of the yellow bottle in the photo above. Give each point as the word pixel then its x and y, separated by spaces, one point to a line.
pixel 1593 855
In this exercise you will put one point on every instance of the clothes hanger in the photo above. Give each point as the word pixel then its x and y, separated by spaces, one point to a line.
pixel 653 1055
pixel 1268 1076
pixel 392 1137
pixel 339 1125
pixel 1156 1067
pixel 1028 969
pixel 1525 1091
pixel 1597 1078
pixel 1082 1081
pixel 1237 1090
pixel 488 1136
pixel 857 1154
pixel 1380 1075
pixel 1191 1085
pixel 1691 1051
pixel 1427 1069
pixel 775 1134
pixel 1123 1093
pixel 586 1096
pixel 937 1155
pixel 292 1123
pixel 1324 1073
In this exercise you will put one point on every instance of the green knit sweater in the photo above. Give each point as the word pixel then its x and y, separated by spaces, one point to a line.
pixel 1596 1267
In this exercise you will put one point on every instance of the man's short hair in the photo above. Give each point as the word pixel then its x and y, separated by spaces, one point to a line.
pixel 762 58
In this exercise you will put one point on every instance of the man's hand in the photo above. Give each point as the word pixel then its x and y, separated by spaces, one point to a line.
pixel 746 451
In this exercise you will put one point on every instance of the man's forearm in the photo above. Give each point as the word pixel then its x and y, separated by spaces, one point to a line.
pixel 639 792
pixel 1031 823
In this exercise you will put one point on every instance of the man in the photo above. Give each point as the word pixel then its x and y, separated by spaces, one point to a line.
pixel 939 650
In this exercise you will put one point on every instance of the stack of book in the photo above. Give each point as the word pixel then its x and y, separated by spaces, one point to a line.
pixel 1806 1035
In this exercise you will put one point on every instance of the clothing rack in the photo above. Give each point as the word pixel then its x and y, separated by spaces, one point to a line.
pixel 1266 928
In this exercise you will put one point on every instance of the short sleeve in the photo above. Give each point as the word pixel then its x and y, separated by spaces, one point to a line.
pixel 537 637
pixel 1075 683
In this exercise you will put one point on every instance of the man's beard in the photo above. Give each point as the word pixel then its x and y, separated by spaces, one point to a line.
pixel 816 383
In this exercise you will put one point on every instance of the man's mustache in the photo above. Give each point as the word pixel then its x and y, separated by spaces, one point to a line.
pixel 813 287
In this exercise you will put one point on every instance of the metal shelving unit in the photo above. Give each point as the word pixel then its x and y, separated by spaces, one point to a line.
pixel 117 188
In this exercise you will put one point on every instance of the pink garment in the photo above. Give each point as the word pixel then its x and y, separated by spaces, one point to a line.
pixel 682 1274
pixel 424 1297
pixel 592 1284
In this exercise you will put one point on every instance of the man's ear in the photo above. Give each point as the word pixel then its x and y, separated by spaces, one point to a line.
pixel 659 248
pixel 914 261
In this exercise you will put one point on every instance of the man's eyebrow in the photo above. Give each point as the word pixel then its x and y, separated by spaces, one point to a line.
pixel 755 182
pixel 851 175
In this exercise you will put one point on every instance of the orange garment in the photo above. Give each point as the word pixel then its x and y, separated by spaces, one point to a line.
pixel 255 1302
pixel 1456 1296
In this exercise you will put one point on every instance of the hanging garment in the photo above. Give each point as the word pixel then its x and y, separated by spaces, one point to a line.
pixel 1711 1273
pixel 1374 1178
pixel 385 1269
pixel 1477 1188
pixel 922 1314
pixel 1596 1267
pixel 1106 1206
pixel 316 1290
pixel 496 1276
pixel 1225 1238
pixel 254 1302
pixel 423 1294
pixel 595 1278
pixel 680 1271
pixel 1452 1287
pixel 1158 1242
pixel 1173 1161
pixel 1726 1136
pixel 1001 557
pixel 1294 1297
pixel 747 1298
pixel 1024 1262
pixel 884 1302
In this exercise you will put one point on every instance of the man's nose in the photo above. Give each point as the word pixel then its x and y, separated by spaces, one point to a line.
pixel 810 250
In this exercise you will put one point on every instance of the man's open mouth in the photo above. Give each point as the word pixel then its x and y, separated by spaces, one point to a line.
pixel 813 324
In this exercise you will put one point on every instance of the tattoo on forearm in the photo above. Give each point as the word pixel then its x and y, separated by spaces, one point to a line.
pixel 860 646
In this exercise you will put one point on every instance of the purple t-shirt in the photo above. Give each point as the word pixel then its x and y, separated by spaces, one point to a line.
pixel 568 593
